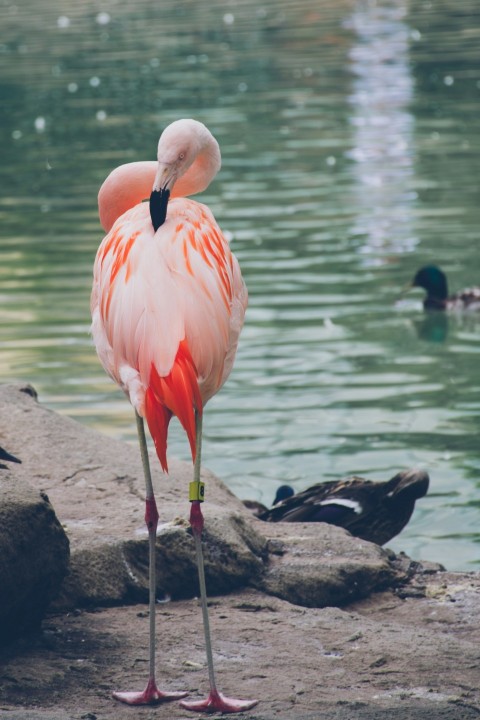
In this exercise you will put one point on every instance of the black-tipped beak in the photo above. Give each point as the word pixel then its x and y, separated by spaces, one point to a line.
pixel 158 207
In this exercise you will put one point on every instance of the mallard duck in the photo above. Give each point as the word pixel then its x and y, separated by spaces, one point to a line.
pixel 434 281
pixel 374 511
pixel 4 455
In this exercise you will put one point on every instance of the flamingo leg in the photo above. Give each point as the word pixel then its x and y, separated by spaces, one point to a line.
pixel 215 702
pixel 151 695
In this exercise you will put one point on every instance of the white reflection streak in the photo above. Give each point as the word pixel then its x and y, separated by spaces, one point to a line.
pixel 382 127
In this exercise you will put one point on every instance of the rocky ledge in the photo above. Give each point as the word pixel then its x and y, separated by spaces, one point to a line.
pixel 312 621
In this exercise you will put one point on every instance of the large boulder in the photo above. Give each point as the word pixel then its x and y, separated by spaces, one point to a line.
pixel 34 552
pixel 96 485
pixel 317 565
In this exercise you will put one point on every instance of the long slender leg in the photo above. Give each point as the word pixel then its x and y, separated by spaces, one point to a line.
pixel 151 695
pixel 215 702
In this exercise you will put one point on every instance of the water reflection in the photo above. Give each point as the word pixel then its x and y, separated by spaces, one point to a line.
pixel 383 148
pixel 433 327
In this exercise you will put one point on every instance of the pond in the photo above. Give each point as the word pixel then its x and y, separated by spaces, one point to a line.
pixel 351 154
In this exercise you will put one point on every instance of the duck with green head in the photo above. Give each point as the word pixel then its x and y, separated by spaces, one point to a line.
pixel 434 281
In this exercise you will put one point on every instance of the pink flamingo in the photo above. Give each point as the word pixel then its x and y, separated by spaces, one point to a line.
pixel 168 304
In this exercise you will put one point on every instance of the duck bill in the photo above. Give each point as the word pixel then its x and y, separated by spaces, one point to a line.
pixel 406 289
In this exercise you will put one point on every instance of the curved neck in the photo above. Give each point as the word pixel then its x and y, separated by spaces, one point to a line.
pixel 201 172
pixel 130 184
pixel 126 186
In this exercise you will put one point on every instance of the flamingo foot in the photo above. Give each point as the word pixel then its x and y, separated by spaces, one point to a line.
pixel 216 702
pixel 150 696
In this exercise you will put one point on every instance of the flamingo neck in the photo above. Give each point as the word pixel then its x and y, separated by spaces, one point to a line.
pixel 130 184
pixel 200 173
pixel 126 186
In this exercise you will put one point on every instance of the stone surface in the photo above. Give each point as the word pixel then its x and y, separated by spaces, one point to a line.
pixel 34 555
pixel 407 656
pixel 319 566
pixel 96 487
pixel 395 639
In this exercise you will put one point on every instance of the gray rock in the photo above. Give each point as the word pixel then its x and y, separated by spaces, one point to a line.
pixel 117 572
pixel 319 566
pixel 406 652
pixel 34 553
pixel 96 486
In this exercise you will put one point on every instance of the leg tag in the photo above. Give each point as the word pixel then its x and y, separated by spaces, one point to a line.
pixel 196 491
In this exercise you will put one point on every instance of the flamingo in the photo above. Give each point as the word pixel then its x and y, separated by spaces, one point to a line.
pixel 168 304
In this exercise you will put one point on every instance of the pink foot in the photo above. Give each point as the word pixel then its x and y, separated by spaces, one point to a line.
pixel 216 702
pixel 150 696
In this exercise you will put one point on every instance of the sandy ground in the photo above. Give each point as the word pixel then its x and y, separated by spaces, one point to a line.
pixel 392 655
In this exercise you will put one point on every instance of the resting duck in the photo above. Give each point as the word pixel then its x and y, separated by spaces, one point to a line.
pixel 374 511
pixel 4 455
pixel 434 281
pixel 257 508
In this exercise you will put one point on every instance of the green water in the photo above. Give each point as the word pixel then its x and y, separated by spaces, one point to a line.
pixel 351 155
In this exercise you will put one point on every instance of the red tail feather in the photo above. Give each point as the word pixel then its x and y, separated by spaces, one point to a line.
pixel 175 394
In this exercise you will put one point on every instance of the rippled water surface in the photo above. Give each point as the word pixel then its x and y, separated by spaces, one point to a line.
pixel 351 156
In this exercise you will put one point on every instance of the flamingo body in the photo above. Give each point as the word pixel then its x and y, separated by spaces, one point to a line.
pixel 167 310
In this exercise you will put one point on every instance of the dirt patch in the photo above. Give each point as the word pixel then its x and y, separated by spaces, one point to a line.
pixel 397 656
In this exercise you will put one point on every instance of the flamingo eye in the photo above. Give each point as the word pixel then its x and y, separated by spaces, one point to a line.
pixel 181 156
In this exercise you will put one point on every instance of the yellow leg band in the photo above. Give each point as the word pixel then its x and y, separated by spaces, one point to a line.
pixel 196 491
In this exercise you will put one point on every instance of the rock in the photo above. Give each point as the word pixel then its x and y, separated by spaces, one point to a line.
pixel 287 642
pixel 317 566
pixel 34 553
pixel 96 486
pixel 118 572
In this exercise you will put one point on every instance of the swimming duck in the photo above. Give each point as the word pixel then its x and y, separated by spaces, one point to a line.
pixel 4 455
pixel 374 511
pixel 434 281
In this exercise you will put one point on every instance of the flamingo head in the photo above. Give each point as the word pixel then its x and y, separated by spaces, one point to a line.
pixel 188 158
